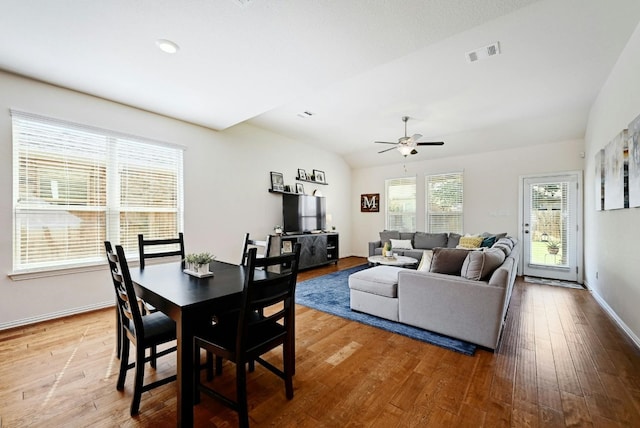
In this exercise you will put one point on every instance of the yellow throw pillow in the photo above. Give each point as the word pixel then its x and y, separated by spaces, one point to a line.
pixel 470 241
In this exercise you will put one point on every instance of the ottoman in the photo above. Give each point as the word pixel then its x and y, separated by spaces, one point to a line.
pixel 375 291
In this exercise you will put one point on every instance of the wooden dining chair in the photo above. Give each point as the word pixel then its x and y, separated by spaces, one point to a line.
pixel 155 248
pixel 253 334
pixel 249 243
pixel 145 332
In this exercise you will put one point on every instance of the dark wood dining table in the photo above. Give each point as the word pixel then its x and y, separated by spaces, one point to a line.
pixel 189 300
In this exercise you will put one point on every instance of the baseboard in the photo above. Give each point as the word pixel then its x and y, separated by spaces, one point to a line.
pixel 609 310
pixel 54 315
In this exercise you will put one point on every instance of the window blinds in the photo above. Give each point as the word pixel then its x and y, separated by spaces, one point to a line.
pixel 401 204
pixel 444 207
pixel 76 186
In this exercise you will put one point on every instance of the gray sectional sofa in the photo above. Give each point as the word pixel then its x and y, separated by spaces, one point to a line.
pixel 460 293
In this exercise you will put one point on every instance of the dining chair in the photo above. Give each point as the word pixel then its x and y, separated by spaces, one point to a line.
pixel 249 243
pixel 146 248
pixel 145 332
pixel 253 334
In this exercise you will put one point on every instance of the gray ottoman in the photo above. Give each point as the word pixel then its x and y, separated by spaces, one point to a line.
pixel 375 291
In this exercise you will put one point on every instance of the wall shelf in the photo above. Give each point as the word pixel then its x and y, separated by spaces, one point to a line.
pixel 311 181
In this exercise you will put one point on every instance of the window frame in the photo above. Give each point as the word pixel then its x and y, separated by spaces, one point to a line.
pixel 405 214
pixel 428 214
pixel 167 159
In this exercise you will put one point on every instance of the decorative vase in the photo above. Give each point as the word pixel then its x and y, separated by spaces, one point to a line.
pixel 203 269
pixel 553 250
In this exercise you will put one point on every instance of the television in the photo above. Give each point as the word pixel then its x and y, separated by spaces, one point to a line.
pixel 303 213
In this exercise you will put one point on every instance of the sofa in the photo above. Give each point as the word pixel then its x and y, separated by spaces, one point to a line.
pixel 458 292
pixel 420 241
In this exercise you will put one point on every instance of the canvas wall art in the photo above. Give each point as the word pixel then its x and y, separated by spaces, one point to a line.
pixel 634 162
pixel 614 194
pixel 599 180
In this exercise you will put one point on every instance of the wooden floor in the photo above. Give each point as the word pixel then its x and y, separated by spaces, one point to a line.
pixel 562 362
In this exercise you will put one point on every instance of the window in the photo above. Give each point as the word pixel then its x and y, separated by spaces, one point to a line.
pixel 401 204
pixel 444 203
pixel 77 186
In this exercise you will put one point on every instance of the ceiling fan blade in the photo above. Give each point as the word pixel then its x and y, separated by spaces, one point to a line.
pixel 415 137
pixel 383 142
pixel 386 150
pixel 430 143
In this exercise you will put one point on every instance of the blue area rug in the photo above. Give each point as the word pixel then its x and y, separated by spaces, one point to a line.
pixel 330 293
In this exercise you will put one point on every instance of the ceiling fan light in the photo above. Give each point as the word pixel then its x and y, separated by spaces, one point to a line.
pixel 405 150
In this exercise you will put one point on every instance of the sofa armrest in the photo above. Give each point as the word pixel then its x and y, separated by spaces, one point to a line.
pixel 372 247
pixel 451 305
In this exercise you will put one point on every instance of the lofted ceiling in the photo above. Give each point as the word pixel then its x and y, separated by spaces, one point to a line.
pixel 357 65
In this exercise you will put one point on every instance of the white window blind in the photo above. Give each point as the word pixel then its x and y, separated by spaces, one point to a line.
pixel 401 204
pixel 76 186
pixel 444 196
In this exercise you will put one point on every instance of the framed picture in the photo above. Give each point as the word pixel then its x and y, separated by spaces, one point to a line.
pixel 370 203
pixel 299 188
pixel 277 181
pixel 319 176
pixel 287 247
pixel 302 174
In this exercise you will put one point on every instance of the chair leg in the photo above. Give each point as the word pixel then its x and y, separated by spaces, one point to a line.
pixel 287 359
pixel 241 392
pixel 137 386
pixel 124 362
pixel 153 357
pixel 209 365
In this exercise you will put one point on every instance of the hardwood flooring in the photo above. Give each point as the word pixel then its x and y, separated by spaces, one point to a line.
pixel 562 362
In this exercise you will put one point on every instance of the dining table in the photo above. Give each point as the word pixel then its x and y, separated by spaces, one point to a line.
pixel 189 300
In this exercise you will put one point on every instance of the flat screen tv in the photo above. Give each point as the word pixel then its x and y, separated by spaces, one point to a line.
pixel 303 213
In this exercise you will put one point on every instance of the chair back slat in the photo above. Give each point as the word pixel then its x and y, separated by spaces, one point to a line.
pixel 248 243
pixel 156 248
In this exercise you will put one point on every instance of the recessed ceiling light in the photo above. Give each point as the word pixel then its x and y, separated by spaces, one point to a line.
pixel 167 46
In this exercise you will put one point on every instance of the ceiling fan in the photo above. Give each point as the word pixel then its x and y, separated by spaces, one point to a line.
pixel 407 145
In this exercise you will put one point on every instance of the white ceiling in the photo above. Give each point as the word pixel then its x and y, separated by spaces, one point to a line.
pixel 357 65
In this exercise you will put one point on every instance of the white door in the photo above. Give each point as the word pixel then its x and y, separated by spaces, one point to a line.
pixel 551 226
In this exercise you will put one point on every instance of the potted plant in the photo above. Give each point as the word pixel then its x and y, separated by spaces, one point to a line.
pixel 277 229
pixel 553 247
pixel 199 262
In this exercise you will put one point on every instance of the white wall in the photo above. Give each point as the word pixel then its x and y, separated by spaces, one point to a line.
pixel 490 186
pixel 226 183
pixel 612 256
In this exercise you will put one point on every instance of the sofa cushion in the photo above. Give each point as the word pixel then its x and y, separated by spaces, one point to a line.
pixel 380 280
pixel 454 240
pixel 387 235
pixel 448 260
pixel 470 241
pixel 497 235
pixel 407 235
pixel 401 244
pixel 429 241
pixel 480 264
pixel 425 261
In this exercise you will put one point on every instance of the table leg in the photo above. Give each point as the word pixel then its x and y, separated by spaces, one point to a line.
pixel 184 331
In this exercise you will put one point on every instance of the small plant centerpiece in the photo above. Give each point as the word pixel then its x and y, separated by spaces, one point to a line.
pixel 199 262
pixel 553 247
pixel 277 230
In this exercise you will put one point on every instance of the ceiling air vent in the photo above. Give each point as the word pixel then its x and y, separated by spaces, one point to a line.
pixel 484 52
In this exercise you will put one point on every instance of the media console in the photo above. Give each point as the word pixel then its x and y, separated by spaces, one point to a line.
pixel 317 249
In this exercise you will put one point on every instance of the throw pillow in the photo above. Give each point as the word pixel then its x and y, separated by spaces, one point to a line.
pixel 480 264
pixel 488 241
pixel 430 240
pixel 401 244
pixel 454 240
pixel 425 261
pixel 387 235
pixel 448 260
pixel 503 247
pixel 497 235
pixel 470 241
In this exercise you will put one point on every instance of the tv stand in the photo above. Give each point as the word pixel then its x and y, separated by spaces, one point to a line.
pixel 317 249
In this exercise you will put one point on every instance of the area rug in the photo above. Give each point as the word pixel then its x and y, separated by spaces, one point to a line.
pixel 330 293
pixel 554 282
